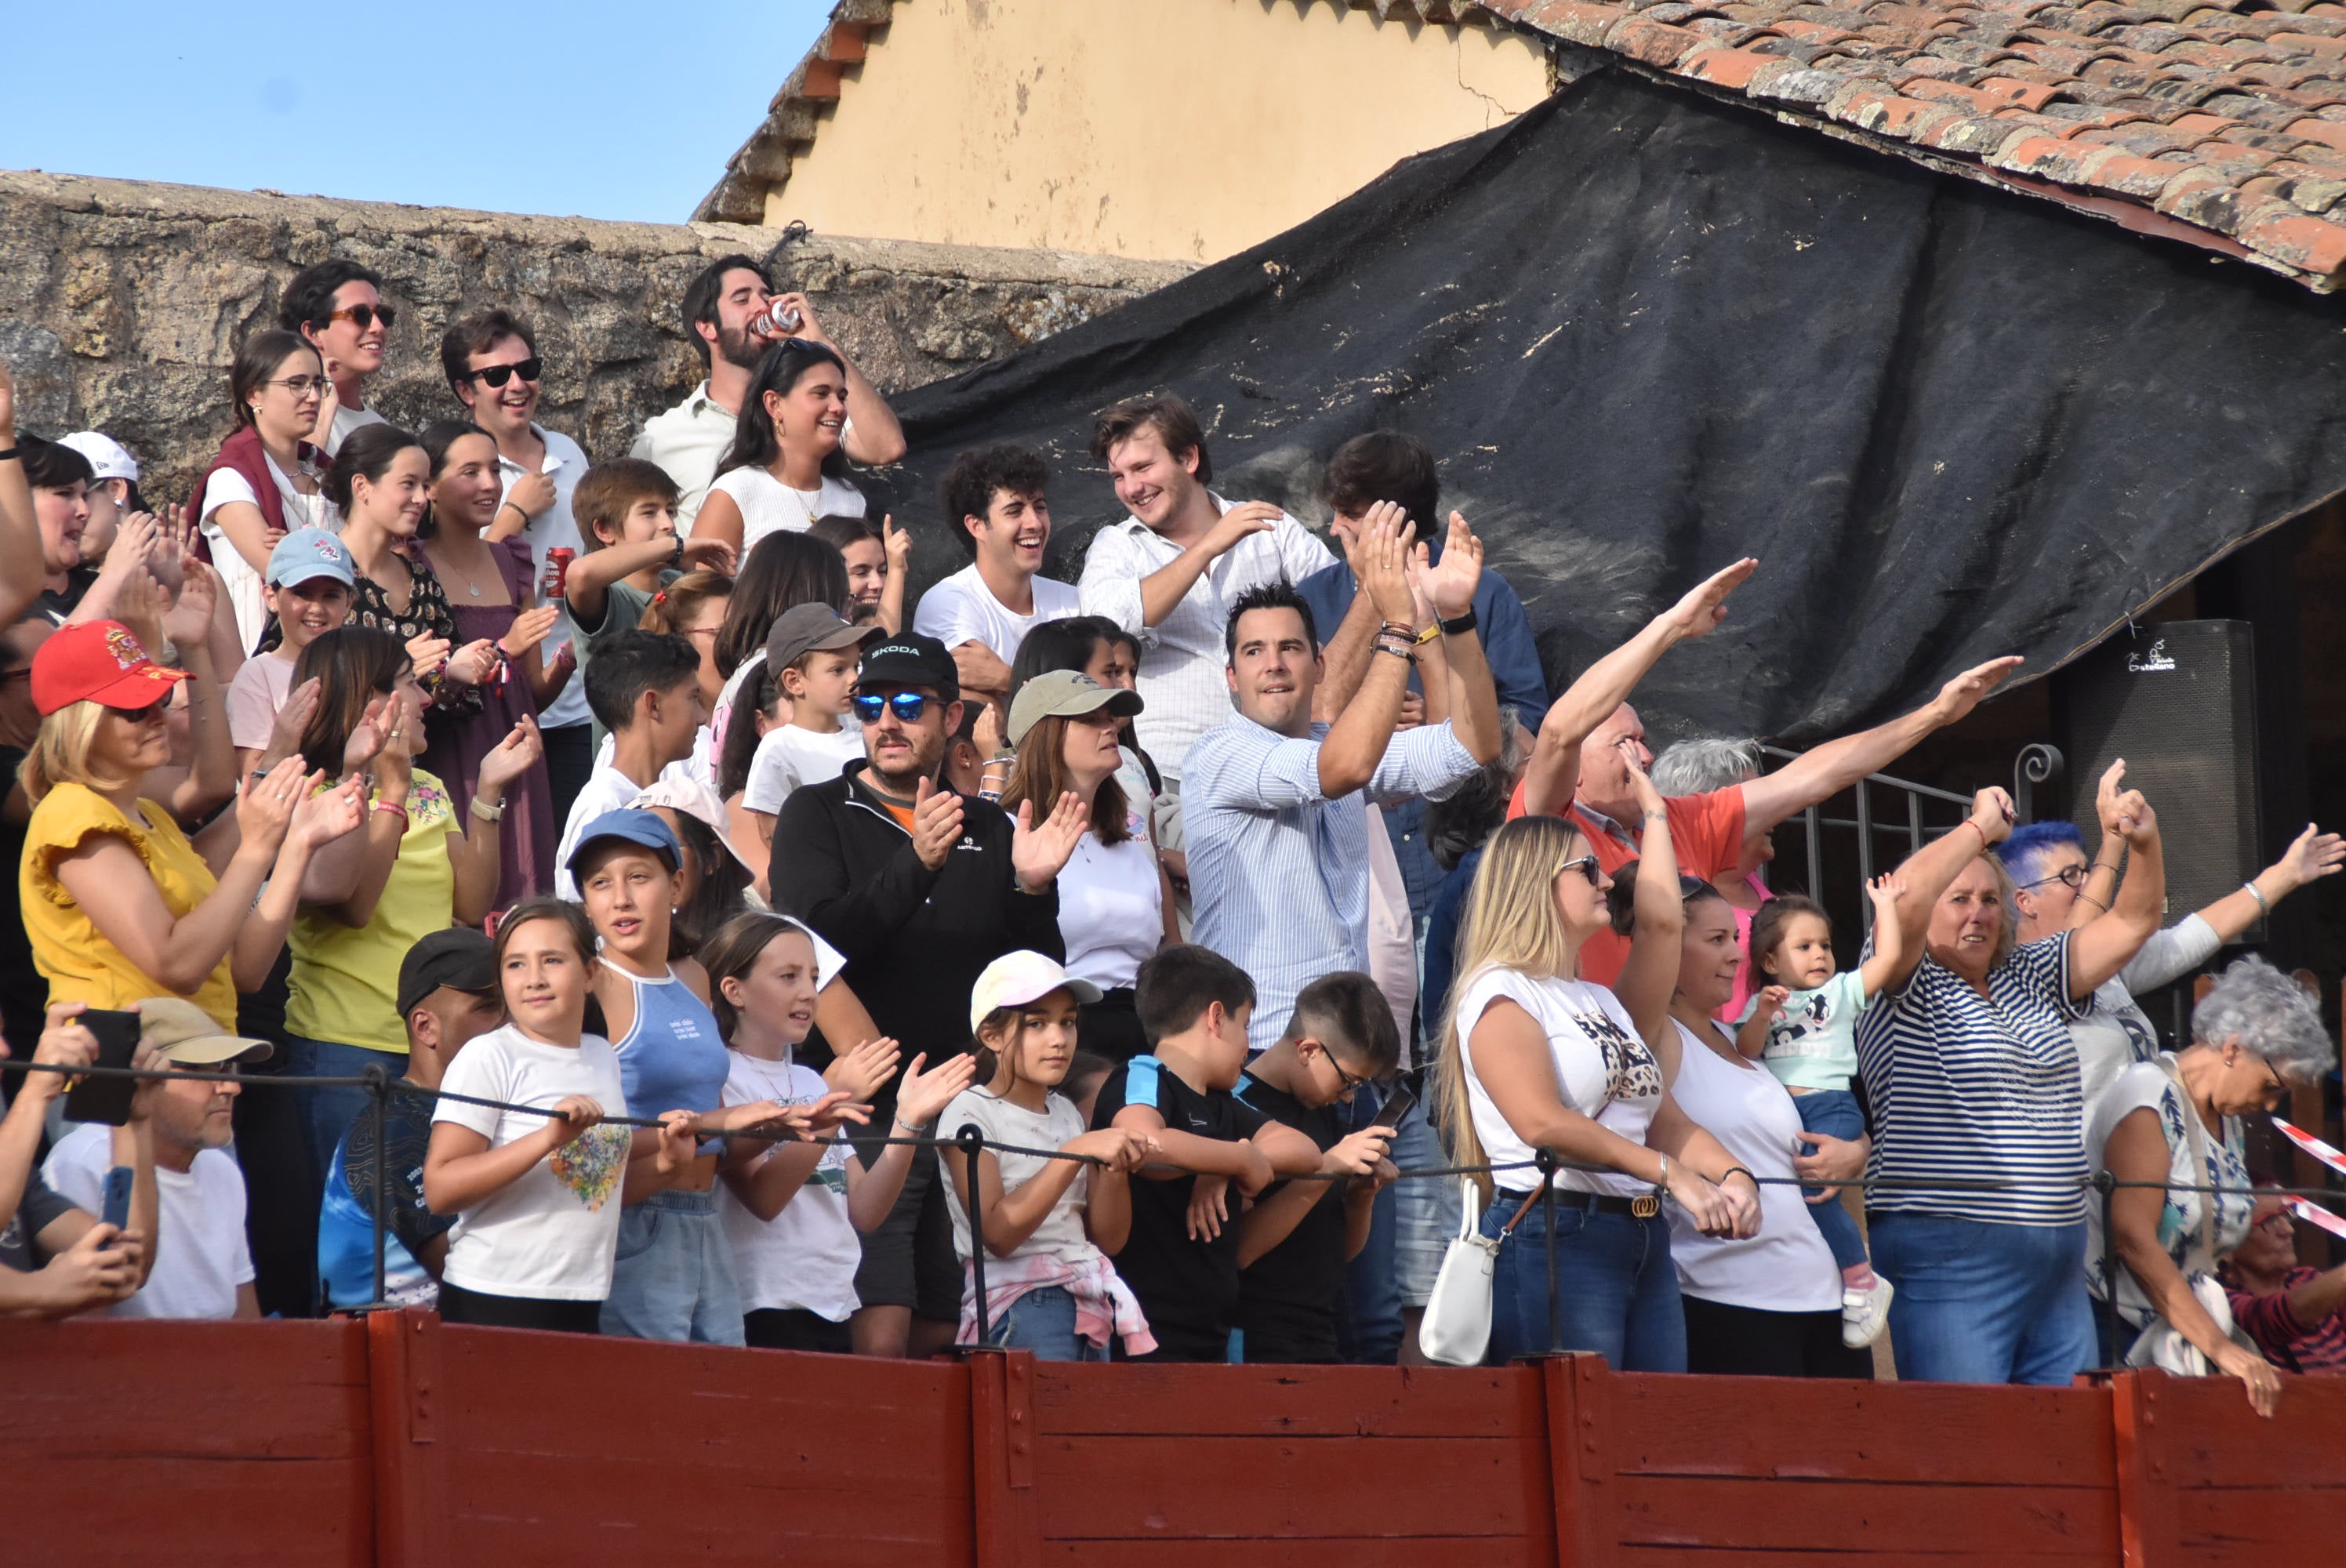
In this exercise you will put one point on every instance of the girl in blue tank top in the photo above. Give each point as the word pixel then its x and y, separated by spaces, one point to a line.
pixel 674 1279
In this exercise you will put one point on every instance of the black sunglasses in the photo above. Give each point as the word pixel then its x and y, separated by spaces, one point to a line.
pixel 907 706
pixel 137 715
pixel 498 375
pixel 1587 866
pixel 364 316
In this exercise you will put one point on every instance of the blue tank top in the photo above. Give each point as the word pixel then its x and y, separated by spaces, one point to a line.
pixel 673 1059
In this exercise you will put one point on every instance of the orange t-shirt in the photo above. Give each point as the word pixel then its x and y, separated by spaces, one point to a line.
pixel 1706 832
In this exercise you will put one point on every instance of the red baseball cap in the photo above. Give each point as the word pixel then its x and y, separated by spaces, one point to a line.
pixel 98 661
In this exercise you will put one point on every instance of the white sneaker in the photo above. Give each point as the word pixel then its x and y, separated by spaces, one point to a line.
pixel 1865 1313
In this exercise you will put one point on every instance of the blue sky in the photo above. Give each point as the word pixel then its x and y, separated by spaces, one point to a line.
pixel 597 107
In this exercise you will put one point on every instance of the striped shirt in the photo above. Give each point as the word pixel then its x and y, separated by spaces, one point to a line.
pixel 1182 657
pixel 1278 874
pixel 2319 1349
pixel 1972 1088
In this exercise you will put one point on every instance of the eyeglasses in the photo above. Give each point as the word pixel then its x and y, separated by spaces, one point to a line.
pixel 907 706
pixel 1347 1082
pixel 138 715
pixel 365 316
pixel 2273 1086
pixel 2072 877
pixel 498 375
pixel 1587 866
pixel 301 386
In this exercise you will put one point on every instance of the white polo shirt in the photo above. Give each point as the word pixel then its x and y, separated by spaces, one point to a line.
pixel 686 441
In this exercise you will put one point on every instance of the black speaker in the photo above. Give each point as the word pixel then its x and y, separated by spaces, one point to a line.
pixel 2177 701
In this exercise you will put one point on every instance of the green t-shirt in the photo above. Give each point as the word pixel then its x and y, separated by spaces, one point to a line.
pixel 624 605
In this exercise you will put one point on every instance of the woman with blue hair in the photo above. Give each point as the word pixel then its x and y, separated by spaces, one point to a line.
pixel 2059 889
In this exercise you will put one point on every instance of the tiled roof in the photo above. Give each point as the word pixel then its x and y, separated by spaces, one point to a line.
pixel 2219 123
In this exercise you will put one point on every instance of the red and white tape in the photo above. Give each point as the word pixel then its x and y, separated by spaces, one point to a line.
pixel 2312 1145
pixel 2314 1214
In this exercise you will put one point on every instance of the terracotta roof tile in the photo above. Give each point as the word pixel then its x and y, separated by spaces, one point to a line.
pixel 2227 116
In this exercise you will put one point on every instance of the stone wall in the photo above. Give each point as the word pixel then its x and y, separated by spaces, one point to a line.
pixel 121 303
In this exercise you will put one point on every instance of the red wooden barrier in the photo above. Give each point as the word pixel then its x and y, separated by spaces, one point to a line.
pixel 398 1442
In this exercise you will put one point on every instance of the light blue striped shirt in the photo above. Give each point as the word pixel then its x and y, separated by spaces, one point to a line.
pixel 1278 875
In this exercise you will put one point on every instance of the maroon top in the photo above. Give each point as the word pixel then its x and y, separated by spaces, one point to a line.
pixel 243 453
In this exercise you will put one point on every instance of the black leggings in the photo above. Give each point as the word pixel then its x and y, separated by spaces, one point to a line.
pixel 1747 1341
pixel 458 1305
pixel 795 1328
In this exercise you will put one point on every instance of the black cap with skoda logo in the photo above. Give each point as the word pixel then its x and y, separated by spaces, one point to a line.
pixel 911 659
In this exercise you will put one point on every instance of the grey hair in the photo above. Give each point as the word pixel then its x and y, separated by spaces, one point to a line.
pixel 1706 763
pixel 2267 1013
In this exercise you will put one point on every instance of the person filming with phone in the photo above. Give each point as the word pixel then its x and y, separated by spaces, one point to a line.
pixel 57 1259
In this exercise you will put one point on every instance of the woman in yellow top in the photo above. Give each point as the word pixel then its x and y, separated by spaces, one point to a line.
pixel 419 865
pixel 119 903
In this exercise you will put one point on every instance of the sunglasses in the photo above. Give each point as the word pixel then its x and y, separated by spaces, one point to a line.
pixel 1587 866
pixel 364 316
pixel 138 715
pixel 907 706
pixel 2067 876
pixel 498 375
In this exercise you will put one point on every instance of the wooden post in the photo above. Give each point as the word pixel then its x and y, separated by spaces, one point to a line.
pixel 1009 1531
pixel 2150 1527
pixel 1580 1459
pixel 411 1492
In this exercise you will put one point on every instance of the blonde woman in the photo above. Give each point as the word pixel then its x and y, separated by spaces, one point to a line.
pixel 118 902
pixel 1533 1059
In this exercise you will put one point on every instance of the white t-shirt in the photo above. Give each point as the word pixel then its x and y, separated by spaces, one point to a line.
pixel 1603 1070
pixel 255 695
pixel 1112 906
pixel 1061 1234
pixel 770 506
pixel 347 420
pixel 554 528
pixel 606 790
pixel 551 1234
pixel 1787 1267
pixel 200 1257
pixel 805 1257
pixel 2115 1033
pixel 789 757
pixel 962 609
pixel 239 578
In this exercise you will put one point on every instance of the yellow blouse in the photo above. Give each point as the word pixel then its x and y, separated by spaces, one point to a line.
pixel 80 964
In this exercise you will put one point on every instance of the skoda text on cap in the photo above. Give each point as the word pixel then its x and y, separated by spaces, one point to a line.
pixel 1068 693
pixel 911 659
pixel 1018 978
pixel 307 554
pixel 98 661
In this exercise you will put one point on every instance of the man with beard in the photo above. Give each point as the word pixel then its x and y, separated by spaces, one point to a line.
pixel 688 439
pixel 922 887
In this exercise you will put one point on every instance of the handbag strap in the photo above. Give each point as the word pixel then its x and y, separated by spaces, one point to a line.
pixel 2195 1137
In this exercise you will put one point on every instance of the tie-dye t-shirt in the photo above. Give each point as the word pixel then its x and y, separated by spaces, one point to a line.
pixel 549 1234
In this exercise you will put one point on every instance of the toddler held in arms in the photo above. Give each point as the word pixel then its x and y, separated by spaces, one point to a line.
pixel 1802 1027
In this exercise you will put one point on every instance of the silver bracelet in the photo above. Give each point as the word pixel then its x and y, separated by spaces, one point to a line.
pixel 2257 893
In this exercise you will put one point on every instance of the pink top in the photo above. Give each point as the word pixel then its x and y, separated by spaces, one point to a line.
pixel 1743 986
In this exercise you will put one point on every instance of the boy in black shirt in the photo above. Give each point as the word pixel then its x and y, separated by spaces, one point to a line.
pixel 1181 1258
pixel 1297 1236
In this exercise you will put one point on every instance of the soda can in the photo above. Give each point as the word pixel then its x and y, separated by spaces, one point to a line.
pixel 776 321
pixel 557 571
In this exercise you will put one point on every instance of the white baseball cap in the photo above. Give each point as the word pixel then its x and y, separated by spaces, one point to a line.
pixel 1018 978
pixel 107 456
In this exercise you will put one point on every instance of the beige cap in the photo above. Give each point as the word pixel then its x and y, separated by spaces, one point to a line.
pixel 187 1036
pixel 1067 692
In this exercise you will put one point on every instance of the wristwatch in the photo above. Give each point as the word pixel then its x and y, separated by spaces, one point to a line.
pixel 1458 627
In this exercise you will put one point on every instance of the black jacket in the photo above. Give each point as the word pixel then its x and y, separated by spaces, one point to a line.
pixel 915 940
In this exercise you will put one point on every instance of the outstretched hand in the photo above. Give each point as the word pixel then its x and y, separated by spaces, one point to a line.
pixel 1959 696
pixel 1451 581
pixel 2311 857
pixel 1038 852
pixel 1705 605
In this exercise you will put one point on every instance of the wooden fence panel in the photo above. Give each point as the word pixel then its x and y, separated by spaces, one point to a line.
pixel 196 1444
pixel 2222 1485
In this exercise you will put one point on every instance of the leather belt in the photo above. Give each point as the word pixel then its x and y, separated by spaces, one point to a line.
pixel 1645 1205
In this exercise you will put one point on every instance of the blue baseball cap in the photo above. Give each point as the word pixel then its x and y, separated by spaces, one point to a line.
pixel 633 826
pixel 307 554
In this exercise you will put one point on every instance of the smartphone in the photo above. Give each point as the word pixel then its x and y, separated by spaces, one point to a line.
pixel 1396 1108
pixel 117 1210
pixel 106 1100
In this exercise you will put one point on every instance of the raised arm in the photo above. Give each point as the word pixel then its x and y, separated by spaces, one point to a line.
pixel 1824 770
pixel 874 434
pixel 1929 869
pixel 1473 708
pixel 473 844
pixel 1651 972
pixel 1554 768
pixel 1356 742
pixel 20 531
pixel 1163 590
pixel 2107 944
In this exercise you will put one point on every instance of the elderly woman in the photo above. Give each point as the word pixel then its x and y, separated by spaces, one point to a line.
pixel 1967 1058
pixel 2175 1122
pixel 2057 886
pixel 1769 1304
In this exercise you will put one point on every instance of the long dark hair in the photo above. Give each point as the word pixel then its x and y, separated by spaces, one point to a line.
pixel 354 666
pixel 438 436
pixel 716 895
pixel 368 452
pixel 257 358
pixel 759 694
pixel 1068 645
pixel 784 569
pixel 755 445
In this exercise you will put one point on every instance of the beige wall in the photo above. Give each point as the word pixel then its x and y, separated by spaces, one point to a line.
pixel 1172 129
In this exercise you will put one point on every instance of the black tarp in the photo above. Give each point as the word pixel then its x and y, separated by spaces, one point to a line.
pixel 1648 332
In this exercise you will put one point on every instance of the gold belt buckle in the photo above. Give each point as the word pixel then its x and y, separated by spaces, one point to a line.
pixel 1646 1205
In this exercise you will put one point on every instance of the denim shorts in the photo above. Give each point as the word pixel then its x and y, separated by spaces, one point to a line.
pixel 673 1278
pixel 1043 1321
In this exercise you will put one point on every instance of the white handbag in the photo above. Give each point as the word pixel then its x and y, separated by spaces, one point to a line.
pixel 1456 1329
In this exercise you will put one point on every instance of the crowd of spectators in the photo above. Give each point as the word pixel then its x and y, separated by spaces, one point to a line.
pixel 685 890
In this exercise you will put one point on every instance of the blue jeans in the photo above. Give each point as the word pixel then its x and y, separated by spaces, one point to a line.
pixel 1982 1303
pixel 1425 1208
pixel 1834 1113
pixel 1043 1321
pixel 673 1276
pixel 1617 1291
pixel 330 1112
